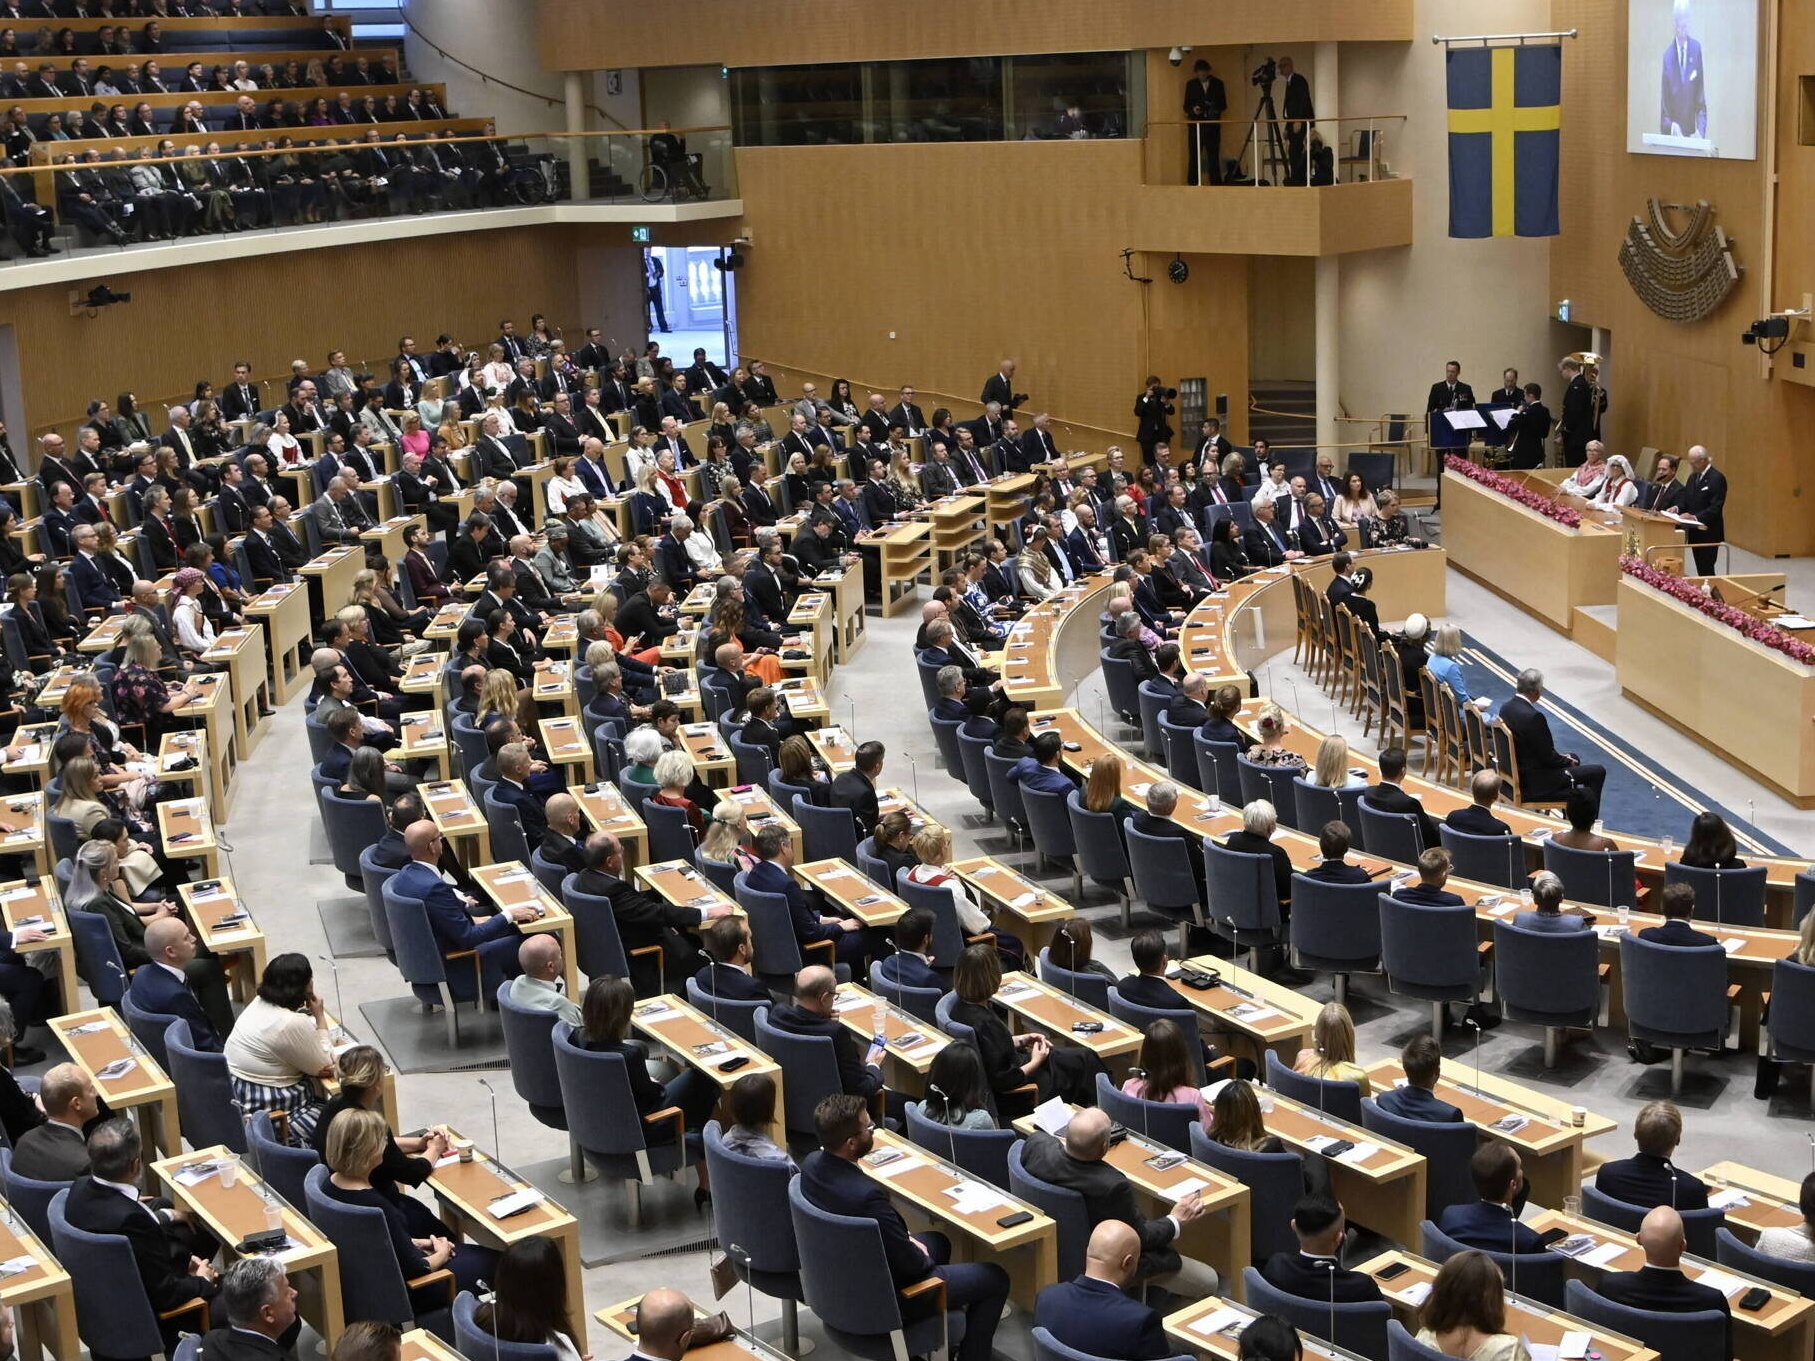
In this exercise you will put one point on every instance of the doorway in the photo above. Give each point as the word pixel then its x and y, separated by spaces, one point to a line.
pixel 698 303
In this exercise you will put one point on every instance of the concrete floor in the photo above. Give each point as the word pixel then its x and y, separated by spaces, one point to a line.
pixel 271 834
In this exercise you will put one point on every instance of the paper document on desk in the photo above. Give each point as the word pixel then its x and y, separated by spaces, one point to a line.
pixel 1222 1323
pixel 1729 1199
pixel 1414 1294
pixel 1721 1281
pixel 1793 621
pixel 1052 1116
pixel 1605 1255
pixel 973 1197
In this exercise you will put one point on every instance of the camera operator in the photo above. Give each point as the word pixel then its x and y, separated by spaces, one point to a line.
pixel 1000 388
pixel 1205 102
pixel 1151 409
pixel 1297 113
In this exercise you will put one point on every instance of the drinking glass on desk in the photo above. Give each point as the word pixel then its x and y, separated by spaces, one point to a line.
pixel 1625 915
pixel 1572 1206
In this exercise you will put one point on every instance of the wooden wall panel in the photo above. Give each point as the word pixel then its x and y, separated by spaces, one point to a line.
pixel 991 250
pixel 583 35
pixel 1673 385
pixel 187 324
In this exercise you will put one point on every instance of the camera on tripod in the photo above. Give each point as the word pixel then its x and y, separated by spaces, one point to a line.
pixel 1265 74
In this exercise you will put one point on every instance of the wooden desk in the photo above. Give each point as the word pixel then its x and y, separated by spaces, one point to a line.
pixel 99 1037
pixel 1384 1190
pixel 466 1191
pixel 846 585
pixel 1783 1328
pixel 423 675
pixel 812 615
pixel 389 535
pixel 1497 542
pixel 242 652
pixel 805 700
pixel 104 636
pixel 224 924
pixel 284 611
pixel 903 554
pixel 462 825
pixel 187 833
pixel 511 885
pixel 1771 1201
pixel 565 743
pixel 26 813
pixel 684 886
pixel 1267 1015
pixel 892 800
pixel 955 524
pixel 1524 1317
pixel 712 758
pixel 554 685
pixel 760 808
pixel 836 748
pixel 191 746
pixel 706 1046
pixel 332 573
pixel 1035 912
pixel 23 904
pixel 849 888
pixel 422 736
pixel 921 1183
pixel 445 623
pixel 1223 1237
pixel 1549 1145
pixel 215 708
pixel 231 1213
pixel 1213 1327
pixel 1045 1008
pixel 42 1297
pixel 419 1344
pixel 604 809
pixel 912 1044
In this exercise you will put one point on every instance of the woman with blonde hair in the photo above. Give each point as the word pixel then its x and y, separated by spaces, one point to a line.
pixel 722 424
pixel 903 484
pixel 498 696
pixel 450 430
pixel 85 803
pixel 1332 1052
pixel 727 837
pixel 414 439
pixel 1332 768
pixel 1270 750
pixel 409 1159
pixel 1103 788
pixel 933 848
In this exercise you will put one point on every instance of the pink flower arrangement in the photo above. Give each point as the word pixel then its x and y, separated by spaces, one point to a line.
pixel 1731 615
pixel 1513 490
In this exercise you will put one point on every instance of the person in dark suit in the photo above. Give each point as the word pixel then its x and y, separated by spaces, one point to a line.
pixel 1648 1178
pixel 1677 903
pixel 262 554
pixel 1422 1059
pixel 1583 403
pixel 1297 110
pixel 1318 533
pixel 1390 797
pixel 1078 1164
pixel 512 790
pixel 1433 874
pixel 1663 492
pixel 1545 774
pixel 1093 1313
pixel 774 850
pixel 728 946
pixel 1660 1285
pixel 1527 429
pixel 1259 823
pixel 1037 443
pixel 1188 708
pixel 1333 865
pixel 1151 410
pixel 1000 387
pixel 1492 1222
pixel 1683 110
pixel 1348 587
pixel 831 1180
pixel 1156 820
pixel 811 1014
pixel 1129 648
pixel 1315 1271
pixel 1452 394
pixel 1205 102
pixel 262 1323
pixel 911 966
pixel 643 919
pixel 164 988
pixel 450 916
pixel 107 1201
pixel 1268 543
pixel 1704 496
pixel 856 788
pixel 1477 819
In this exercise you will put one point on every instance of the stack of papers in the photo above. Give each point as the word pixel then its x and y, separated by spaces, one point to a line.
pixel 974 1197
pixel 1222 1323
pixel 1729 1199
pixel 1052 1116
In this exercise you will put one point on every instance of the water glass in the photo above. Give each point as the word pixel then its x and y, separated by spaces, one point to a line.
pixel 1572 1206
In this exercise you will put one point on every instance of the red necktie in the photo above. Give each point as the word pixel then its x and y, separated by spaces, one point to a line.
pixel 106 514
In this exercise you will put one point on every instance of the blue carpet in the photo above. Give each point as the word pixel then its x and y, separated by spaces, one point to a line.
pixel 1640 797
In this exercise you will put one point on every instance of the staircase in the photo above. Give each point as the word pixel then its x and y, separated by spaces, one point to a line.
pixel 1297 399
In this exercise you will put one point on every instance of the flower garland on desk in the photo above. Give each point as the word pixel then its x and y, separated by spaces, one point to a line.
pixel 1512 490
pixel 1731 615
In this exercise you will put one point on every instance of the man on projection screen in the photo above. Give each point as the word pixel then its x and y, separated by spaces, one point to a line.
pixel 1685 111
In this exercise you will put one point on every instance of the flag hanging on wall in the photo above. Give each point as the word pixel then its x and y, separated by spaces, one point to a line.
pixel 1505 110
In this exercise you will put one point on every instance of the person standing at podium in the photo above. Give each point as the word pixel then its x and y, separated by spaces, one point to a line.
pixel 1663 492
pixel 1509 393
pixel 1684 110
pixel 1705 498
pixel 1528 428
pixel 1452 394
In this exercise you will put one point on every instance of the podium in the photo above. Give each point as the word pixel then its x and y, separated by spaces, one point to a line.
pixel 1645 531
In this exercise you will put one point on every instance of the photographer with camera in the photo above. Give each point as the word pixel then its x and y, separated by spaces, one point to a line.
pixel 1205 103
pixel 1001 388
pixel 1151 409
pixel 1298 113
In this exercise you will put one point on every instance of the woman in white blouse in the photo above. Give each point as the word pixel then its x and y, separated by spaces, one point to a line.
pixel 1796 1242
pixel 1356 502
pixel 285 448
pixel 280 1048
pixel 194 634
pixel 1619 487
pixel 498 371
pixel 1586 480
pixel 562 485
pixel 933 846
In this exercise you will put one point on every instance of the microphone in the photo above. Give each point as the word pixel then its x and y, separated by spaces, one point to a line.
pixel 487 1084
pixel 740 1255
pixel 1671 1169
pixel 914 772
pixel 951 1136
pixel 1611 901
pixel 1329 1266
pixel 1141 1073
pixel 1475 1025
pixel 340 1014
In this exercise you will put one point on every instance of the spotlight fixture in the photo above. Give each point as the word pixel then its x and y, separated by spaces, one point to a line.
pixel 1178 271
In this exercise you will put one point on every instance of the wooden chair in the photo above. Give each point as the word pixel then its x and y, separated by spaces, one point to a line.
pixel 1328 661
pixel 1395 711
pixel 1370 692
pixel 1303 647
pixel 1434 731
pixel 1452 739
pixel 1507 752
pixel 1477 740
pixel 1345 676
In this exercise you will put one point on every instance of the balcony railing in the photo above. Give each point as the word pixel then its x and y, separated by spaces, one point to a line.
pixel 1260 153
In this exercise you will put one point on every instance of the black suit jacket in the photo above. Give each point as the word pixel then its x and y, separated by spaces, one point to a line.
pixel 999 389
pixel 843 1188
pixel 1108 1194
pixel 1390 798
pixel 1704 497
pixel 1666 1292
pixel 1443 399
pixel 734 985
pixel 1318 1278
pixel 854 1076
pixel 1541 766
pixel 235 1344
pixel 101 1209
pixel 1092 1316
pixel 1477 821
pixel 853 790
pixel 1645 1179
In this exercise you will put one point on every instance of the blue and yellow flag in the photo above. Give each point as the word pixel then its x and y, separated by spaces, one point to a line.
pixel 1505 109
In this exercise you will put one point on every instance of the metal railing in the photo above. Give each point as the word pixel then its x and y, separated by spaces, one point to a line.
pixel 1346 150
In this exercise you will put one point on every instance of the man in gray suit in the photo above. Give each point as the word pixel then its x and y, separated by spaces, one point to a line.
pixel 57 1150
pixel 337 514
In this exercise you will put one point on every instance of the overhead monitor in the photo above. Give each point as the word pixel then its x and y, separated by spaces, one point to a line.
pixel 1692 78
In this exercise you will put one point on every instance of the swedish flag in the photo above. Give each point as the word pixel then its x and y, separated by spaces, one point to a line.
pixel 1505 110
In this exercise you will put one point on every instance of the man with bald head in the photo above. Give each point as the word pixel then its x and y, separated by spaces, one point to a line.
pixel 57 1150
pixel 664 1326
pixel 562 844
pixel 1078 1164
pixel 1094 1313
pixel 540 986
pixel 163 987
pixel 1660 1285
pixel 451 917
pixel 810 1013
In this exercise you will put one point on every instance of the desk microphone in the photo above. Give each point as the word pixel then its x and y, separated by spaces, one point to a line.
pixel 1671 1169
pixel 914 773
pixel 1140 1096
pixel 951 1135
pixel 497 1149
pixel 1329 1265
pixel 1475 1025
pixel 1515 861
pixel 739 1255
pixel 340 1014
